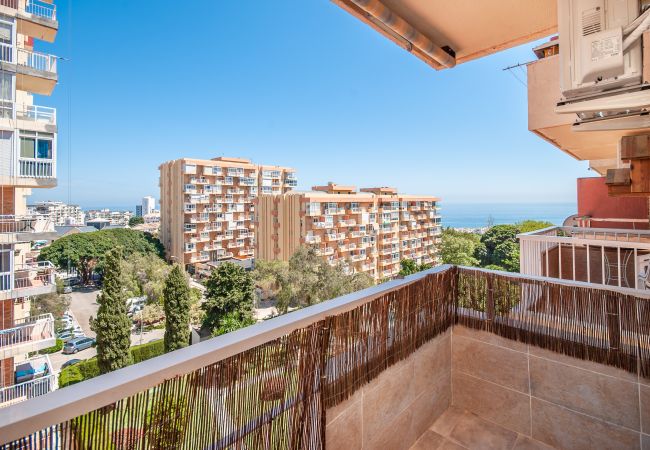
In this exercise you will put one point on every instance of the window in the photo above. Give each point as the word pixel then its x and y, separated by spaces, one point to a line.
pixel 5 258
pixel 35 145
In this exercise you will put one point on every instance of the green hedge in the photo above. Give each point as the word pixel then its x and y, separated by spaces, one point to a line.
pixel 146 351
pixel 57 347
pixel 87 369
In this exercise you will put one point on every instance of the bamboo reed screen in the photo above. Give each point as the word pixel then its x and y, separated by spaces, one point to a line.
pixel 275 395
pixel 593 324
pixel 266 397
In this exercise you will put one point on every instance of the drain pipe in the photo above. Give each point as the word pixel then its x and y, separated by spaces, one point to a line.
pixel 398 25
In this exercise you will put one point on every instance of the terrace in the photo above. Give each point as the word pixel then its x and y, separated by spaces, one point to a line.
pixel 29 334
pixel 460 356
pixel 34 377
pixel 614 257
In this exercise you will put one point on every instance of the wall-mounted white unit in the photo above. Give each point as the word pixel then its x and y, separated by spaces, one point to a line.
pixel 596 51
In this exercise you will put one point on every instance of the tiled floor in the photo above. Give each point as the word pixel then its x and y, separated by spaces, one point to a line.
pixel 457 429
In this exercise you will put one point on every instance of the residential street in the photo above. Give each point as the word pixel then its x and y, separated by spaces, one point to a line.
pixel 83 305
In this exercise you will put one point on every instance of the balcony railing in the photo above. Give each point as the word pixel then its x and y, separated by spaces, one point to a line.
pixel 28 330
pixel 36 60
pixel 41 9
pixel 36 168
pixel 596 255
pixel 17 224
pixel 36 113
pixel 34 377
pixel 271 385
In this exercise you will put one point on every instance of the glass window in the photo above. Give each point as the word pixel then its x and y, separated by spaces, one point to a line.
pixel 5 261
pixel 27 147
pixel 5 32
pixel 44 149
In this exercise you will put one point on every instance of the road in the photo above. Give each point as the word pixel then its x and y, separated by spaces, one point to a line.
pixel 83 305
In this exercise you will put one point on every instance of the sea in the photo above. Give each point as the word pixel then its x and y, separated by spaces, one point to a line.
pixel 475 215
pixel 481 215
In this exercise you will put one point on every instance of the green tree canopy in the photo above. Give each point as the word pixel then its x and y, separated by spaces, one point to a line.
pixel 409 267
pixel 136 220
pixel 526 226
pixel 460 248
pixel 85 251
pixel 306 279
pixel 112 325
pixel 176 295
pixel 229 293
pixel 501 236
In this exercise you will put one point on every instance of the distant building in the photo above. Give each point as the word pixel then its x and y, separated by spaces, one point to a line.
pixel 100 224
pixel 369 231
pixel 116 218
pixel 148 205
pixel 138 210
pixel 58 213
pixel 207 207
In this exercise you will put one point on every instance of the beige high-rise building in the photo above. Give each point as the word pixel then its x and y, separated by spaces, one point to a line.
pixel 207 209
pixel 28 154
pixel 369 231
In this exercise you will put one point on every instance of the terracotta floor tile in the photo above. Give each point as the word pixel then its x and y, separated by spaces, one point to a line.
pixel 447 421
pixel 430 440
pixel 475 433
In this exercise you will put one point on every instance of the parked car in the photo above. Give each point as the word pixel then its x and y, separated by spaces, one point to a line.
pixel 67 290
pixel 77 345
pixel 66 336
pixel 70 362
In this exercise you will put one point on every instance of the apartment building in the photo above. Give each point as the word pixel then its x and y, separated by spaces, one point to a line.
pixel 207 209
pixel 114 218
pixel 368 231
pixel 28 150
pixel 148 206
pixel 58 213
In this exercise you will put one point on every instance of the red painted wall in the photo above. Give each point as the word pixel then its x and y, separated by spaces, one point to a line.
pixel 594 201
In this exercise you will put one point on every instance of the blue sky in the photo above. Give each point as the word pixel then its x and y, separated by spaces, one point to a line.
pixel 289 82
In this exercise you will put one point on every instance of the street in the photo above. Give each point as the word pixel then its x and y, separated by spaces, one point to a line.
pixel 83 305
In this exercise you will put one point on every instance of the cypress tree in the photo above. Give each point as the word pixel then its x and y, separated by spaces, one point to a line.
pixel 176 295
pixel 112 325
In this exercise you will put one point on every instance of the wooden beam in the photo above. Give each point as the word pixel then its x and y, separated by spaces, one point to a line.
pixel 635 147
pixel 618 177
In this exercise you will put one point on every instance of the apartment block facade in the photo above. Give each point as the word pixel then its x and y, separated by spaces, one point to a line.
pixel 58 213
pixel 369 231
pixel 28 151
pixel 207 210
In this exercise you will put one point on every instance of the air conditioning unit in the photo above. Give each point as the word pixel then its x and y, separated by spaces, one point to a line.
pixel 599 49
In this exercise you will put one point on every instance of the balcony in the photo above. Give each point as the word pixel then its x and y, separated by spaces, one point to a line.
pixel 35 72
pixel 28 280
pixel 533 360
pixel 613 257
pixel 27 335
pixel 35 18
pixel 34 377
pixel 14 229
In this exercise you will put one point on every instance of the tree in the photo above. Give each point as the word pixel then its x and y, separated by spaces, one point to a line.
pixel 85 251
pixel 112 325
pixel 231 322
pixel 459 247
pixel 526 226
pixel 136 220
pixel 307 279
pixel 503 237
pixel 145 275
pixel 409 267
pixel 53 303
pixel 176 295
pixel 230 292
